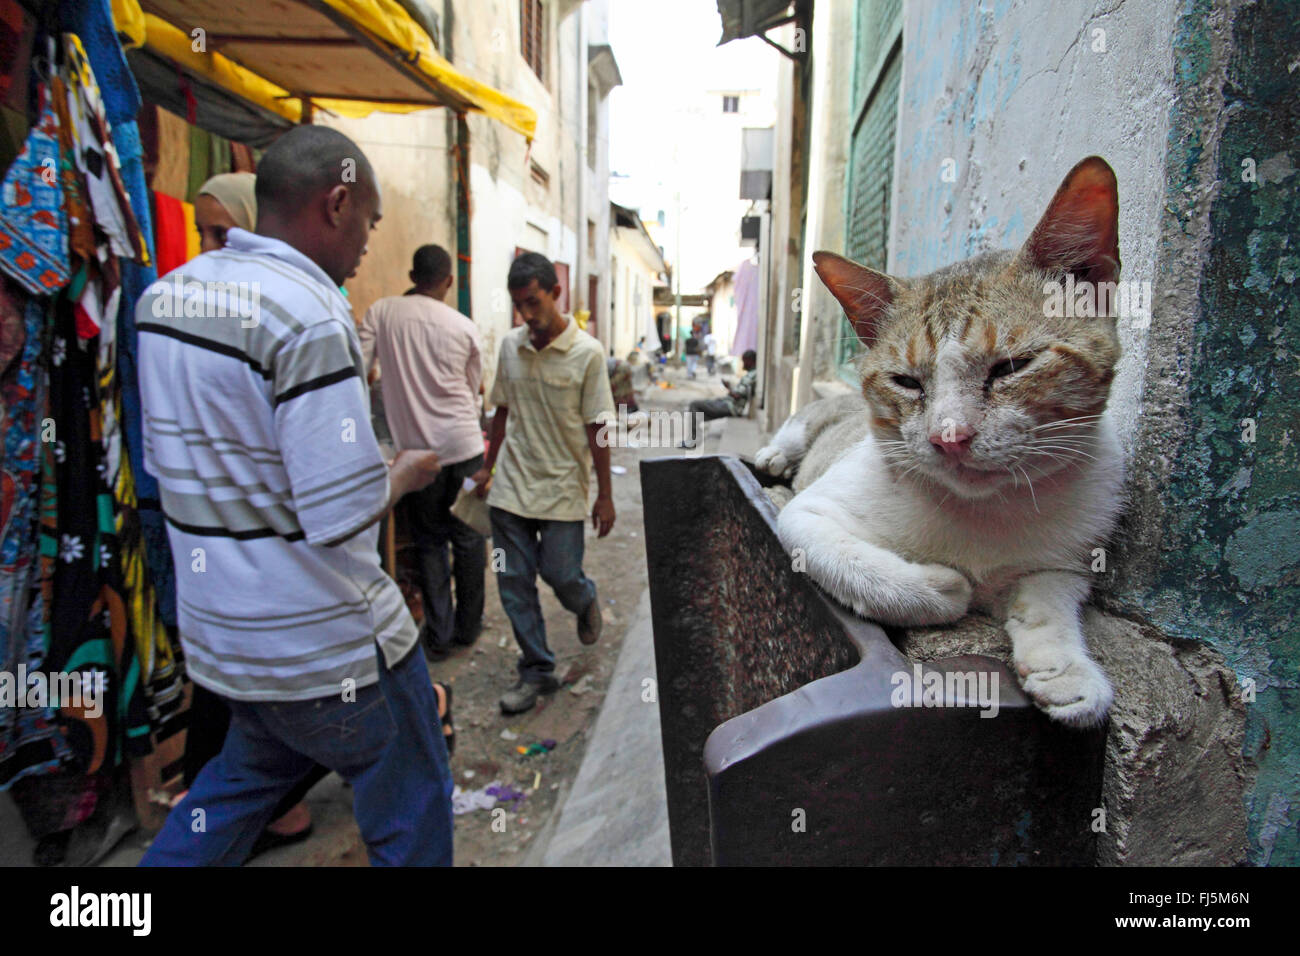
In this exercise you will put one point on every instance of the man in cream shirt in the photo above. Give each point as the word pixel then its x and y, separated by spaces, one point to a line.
pixel 552 396
pixel 431 362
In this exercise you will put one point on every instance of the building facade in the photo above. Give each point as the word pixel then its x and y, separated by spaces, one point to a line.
pixel 636 269
pixel 548 196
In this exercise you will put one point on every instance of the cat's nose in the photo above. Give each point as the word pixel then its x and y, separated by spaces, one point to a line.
pixel 953 440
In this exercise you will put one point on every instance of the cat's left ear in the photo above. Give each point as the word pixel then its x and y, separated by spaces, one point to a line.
pixel 865 293
pixel 1079 233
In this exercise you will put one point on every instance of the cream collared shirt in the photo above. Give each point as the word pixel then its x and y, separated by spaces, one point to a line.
pixel 544 466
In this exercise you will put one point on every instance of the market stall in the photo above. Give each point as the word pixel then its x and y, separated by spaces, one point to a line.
pixel 111 117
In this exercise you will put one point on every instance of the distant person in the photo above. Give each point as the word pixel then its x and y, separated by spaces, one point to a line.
pixel 431 356
pixel 620 384
pixel 711 351
pixel 551 395
pixel 692 354
pixel 269 471
pixel 642 353
pixel 736 403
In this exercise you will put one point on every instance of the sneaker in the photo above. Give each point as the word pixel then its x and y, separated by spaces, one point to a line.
pixel 590 622
pixel 523 696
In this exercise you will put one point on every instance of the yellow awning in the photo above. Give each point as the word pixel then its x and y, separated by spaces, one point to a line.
pixel 350 57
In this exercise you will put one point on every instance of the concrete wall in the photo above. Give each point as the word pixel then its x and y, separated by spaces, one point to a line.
pixel 1212 545
pixel 722 308
pixel 832 97
pixel 410 157
pixel 635 265
pixel 1014 94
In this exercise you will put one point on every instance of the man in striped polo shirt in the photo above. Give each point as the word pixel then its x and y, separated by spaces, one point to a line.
pixel 257 426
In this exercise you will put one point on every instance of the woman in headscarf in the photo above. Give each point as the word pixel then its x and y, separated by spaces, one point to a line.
pixel 228 201
pixel 225 202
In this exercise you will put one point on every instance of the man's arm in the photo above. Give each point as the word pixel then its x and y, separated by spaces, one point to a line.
pixel 338 479
pixel 744 391
pixel 602 512
pixel 366 333
pixel 410 471
pixel 474 366
pixel 496 438
pixel 598 409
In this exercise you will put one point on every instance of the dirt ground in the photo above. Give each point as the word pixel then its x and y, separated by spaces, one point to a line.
pixel 487 741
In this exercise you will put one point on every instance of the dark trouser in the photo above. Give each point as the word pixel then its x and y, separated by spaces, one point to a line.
pixel 387 743
pixel 209 723
pixel 710 408
pixel 532 546
pixel 427 513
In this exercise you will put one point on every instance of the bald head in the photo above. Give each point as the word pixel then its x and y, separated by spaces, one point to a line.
pixel 305 162
pixel 316 191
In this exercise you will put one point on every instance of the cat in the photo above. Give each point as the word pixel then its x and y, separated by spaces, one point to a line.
pixel 987 468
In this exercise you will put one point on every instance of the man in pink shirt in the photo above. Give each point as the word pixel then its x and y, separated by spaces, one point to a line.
pixel 431 369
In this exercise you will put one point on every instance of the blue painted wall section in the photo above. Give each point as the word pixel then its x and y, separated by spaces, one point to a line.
pixel 1229 564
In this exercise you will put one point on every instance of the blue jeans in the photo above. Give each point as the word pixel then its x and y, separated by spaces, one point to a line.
pixel 387 743
pixel 535 546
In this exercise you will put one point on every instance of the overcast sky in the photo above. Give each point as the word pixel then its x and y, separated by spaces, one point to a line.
pixel 667 53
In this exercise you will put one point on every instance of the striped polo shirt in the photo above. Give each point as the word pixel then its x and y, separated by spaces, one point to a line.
pixel 257 427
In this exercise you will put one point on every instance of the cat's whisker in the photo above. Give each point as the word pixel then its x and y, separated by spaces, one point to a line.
pixel 1065 448
pixel 1033 497
pixel 1061 422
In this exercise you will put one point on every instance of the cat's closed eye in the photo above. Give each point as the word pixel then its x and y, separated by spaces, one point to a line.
pixel 1009 366
pixel 906 381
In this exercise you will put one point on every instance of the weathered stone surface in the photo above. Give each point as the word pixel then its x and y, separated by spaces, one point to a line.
pixel 1175 779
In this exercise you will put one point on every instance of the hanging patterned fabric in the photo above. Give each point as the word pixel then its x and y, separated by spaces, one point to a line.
pixel 92 21
pixel 33 225
pixel 89 627
pixel 144 533
pixel 97 157
pixel 81 227
pixel 30 739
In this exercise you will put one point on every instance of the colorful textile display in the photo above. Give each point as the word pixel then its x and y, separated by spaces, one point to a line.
pixel 83 542
pixel 30 739
pixel 97 157
pixel 33 225
pixel 170 232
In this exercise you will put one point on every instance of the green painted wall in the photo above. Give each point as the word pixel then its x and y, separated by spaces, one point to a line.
pixel 1229 561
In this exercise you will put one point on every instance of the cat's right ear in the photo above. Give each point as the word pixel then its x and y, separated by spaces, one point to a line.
pixel 1079 233
pixel 865 293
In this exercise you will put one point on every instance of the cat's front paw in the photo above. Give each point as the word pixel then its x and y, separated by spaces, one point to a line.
pixel 938 595
pixel 1066 684
pixel 772 460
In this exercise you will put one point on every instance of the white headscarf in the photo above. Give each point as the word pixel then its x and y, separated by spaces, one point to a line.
pixel 237 193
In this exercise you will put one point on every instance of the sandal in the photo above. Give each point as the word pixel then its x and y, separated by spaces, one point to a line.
pixel 269 840
pixel 448 728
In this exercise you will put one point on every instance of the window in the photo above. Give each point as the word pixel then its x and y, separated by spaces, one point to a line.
pixel 591 238
pixel 870 176
pixel 731 104
pixel 540 175
pixel 532 35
